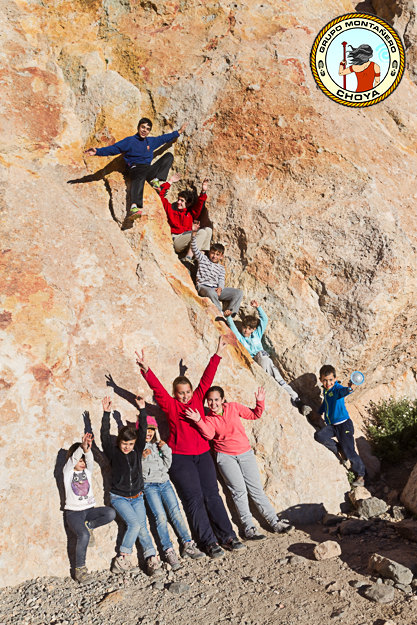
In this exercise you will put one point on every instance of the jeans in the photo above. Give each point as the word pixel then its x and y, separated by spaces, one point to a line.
pixel 76 522
pixel 242 477
pixel 133 514
pixel 195 479
pixel 344 433
pixel 233 297
pixel 162 502
pixel 141 172
pixel 264 360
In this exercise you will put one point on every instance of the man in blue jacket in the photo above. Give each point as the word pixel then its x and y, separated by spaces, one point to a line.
pixel 338 423
pixel 138 154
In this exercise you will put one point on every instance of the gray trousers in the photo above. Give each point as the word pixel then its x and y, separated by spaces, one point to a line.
pixel 264 360
pixel 241 475
pixel 183 240
pixel 232 296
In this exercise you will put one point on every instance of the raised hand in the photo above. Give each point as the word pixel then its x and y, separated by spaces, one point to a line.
pixel 107 403
pixel 174 178
pixel 204 186
pixel 183 127
pixel 196 226
pixel 140 402
pixel 254 303
pixel 194 415
pixel 140 361
pixel 87 442
pixel 221 345
pixel 90 151
pixel 260 394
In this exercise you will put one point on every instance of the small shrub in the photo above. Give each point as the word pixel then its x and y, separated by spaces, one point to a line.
pixel 392 428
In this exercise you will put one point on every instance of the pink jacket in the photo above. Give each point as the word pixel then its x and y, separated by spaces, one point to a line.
pixel 226 430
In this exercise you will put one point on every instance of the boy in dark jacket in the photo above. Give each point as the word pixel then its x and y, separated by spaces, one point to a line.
pixel 338 423
pixel 138 152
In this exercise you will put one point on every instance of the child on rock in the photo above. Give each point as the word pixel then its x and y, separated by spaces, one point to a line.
pixel 235 458
pixel 192 470
pixel 211 277
pixel 181 216
pixel 161 499
pixel 339 425
pixel 253 330
pixel 81 515
pixel 126 492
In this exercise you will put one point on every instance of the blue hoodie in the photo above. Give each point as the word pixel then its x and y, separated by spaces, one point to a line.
pixel 333 406
pixel 136 150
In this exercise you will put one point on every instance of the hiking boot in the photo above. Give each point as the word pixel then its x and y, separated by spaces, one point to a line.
pixel 92 540
pixel 282 527
pixel 134 212
pixel 123 564
pixel 233 544
pixel 171 558
pixel 214 550
pixel 302 408
pixel 360 481
pixel 82 576
pixel 156 184
pixel 153 567
pixel 253 534
pixel 190 550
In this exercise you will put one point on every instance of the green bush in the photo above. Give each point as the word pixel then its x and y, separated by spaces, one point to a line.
pixel 392 428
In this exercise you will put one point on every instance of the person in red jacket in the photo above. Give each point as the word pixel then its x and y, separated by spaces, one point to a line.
pixel 182 214
pixel 192 470
pixel 235 458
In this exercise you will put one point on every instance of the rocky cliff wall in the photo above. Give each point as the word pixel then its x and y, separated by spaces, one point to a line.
pixel 313 201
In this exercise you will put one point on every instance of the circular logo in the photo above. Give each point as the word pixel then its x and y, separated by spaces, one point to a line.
pixel 357 59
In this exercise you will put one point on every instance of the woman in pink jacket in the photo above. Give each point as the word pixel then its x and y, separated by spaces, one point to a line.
pixel 235 458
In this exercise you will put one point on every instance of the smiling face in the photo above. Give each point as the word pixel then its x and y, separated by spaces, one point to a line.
pixel 183 392
pixel 215 402
pixel 215 256
pixel 81 465
pixel 144 130
pixel 181 203
pixel 127 446
pixel 328 380
pixel 149 434
pixel 247 331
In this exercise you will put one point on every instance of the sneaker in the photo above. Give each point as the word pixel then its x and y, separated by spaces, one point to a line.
pixel 153 567
pixel 214 551
pixel 282 527
pixel 134 212
pixel 253 534
pixel 233 544
pixel 190 550
pixel 360 481
pixel 303 408
pixel 171 558
pixel 92 540
pixel 156 184
pixel 82 576
pixel 123 564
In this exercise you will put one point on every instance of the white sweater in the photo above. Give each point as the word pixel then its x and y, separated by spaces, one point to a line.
pixel 78 487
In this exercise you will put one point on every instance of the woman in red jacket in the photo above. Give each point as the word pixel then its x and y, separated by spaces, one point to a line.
pixel 192 470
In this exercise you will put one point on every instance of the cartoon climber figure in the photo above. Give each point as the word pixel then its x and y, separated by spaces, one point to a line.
pixel 80 485
pixel 367 72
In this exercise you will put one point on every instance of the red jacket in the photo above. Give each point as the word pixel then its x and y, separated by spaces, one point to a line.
pixel 184 436
pixel 181 221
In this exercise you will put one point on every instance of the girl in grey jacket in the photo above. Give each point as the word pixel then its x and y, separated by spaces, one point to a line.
pixel 161 498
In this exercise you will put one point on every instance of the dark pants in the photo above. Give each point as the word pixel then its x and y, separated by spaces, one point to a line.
pixel 344 434
pixel 139 173
pixel 195 479
pixel 76 521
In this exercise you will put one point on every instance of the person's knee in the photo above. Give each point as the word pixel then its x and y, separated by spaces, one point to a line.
pixel 318 436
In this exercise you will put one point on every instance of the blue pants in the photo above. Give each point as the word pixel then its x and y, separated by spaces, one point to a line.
pixel 195 479
pixel 133 514
pixel 163 503
pixel 76 521
pixel 344 434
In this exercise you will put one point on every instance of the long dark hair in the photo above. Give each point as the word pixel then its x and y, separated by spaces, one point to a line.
pixel 215 388
pixel 360 55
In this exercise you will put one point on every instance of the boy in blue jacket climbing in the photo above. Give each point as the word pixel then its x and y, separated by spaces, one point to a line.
pixel 138 152
pixel 338 423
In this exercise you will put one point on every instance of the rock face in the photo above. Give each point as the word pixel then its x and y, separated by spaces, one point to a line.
pixel 409 493
pixel 313 201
